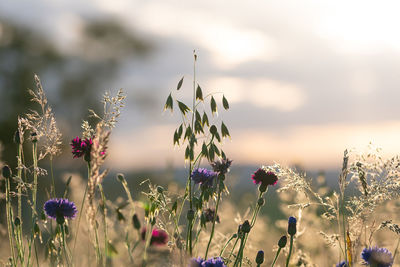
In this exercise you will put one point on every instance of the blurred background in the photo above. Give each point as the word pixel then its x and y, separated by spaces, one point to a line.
pixel 305 80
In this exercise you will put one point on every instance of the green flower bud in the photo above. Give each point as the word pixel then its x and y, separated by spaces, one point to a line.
pixel 6 172
pixel 17 221
pixel 260 257
pixel 260 202
pixel 246 227
pixel 282 241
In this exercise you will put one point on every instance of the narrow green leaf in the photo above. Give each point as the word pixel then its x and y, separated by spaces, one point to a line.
pixel 213 129
pixel 224 130
pixel 197 116
pixel 169 104
pixel 204 150
pixel 205 120
pixel 216 149
pixel 183 107
pixel 187 152
pixel 213 105
pixel 211 153
pixel 197 127
pixel 180 84
pixel 188 133
pixel 225 102
pixel 217 136
pixel 199 93
pixel 223 156
pixel 180 130
pixel 191 154
pixel 176 138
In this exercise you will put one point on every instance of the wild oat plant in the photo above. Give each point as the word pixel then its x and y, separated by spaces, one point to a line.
pixel 186 226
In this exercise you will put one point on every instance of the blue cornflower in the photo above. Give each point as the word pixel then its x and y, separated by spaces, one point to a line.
pixel 60 209
pixel 211 262
pixel 292 225
pixel 342 264
pixel 203 176
pixel 377 257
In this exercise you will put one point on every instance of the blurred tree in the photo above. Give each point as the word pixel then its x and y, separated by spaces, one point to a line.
pixel 77 78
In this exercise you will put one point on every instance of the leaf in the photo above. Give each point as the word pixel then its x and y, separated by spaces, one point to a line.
pixel 216 150
pixel 111 250
pixel 224 130
pixel 213 105
pixel 218 137
pixel 176 138
pixel 198 128
pixel 211 153
pixel 180 130
pixel 187 152
pixel 188 133
pixel 180 84
pixel 169 104
pixel 205 120
pixel 204 150
pixel 183 107
pixel 197 116
pixel 199 93
pixel 213 129
pixel 225 102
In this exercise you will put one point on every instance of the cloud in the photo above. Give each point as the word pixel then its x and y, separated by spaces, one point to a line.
pixel 264 93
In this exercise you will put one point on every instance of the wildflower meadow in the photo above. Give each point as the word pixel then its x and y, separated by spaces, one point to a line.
pixel 291 218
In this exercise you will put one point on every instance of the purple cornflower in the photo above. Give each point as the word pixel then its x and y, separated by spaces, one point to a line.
pixel 60 208
pixel 203 177
pixel 378 257
pixel 81 147
pixel 211 262
pixel 158 237
pixel 221 166
pixel 342 264
pixel 264 178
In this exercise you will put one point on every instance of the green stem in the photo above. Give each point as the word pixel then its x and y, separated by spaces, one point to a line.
pixel 19 187
pixel 276 257
pixel 10 221
pixel 226 244
pixel 148 240
pixel 34 194
pixel 397 247
pixel 105 224
pixel 81 211
pixel 233 248
pixel 64 244
pixel 53 191
pixel 290 251
pixel 215 215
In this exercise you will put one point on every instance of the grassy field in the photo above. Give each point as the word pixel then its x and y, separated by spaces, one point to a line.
pixel 202 215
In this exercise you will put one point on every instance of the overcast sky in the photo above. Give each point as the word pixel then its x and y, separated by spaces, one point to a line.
pixel 305 79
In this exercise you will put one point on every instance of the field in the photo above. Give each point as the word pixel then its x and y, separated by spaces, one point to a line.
pixel 210 213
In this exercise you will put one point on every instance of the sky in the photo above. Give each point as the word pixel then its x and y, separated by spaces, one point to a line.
pixel 305 79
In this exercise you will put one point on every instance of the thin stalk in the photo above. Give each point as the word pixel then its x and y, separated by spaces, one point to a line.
pixel 34 194
pixel 226 244
pixel 233 248
pixel 53 191
pixel 215 217
pixel 276 257
pixel 64 245
pixel 239 254
pixel 19 172
pixel 80 213
pixel 290 251
pixel 105 224
pixel 147 244
pixel 397 247
pixel 10 221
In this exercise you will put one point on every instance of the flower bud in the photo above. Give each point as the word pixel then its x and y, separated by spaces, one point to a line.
pixel 160 189
pixel 60 219
pixel 6 172
pixel 260 257
pixel 190 215
pixel 17 138
pixel 292 226
pixel 17 221
pixel 246 227
pixel 120 177
pixel 262 188
pixel 260 202
pixel 282 241
pixel 34 137
pixel 136 222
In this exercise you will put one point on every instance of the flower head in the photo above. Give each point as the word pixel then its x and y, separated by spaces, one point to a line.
pixel 209 215
pixel 221 166
pixel 260 257
pixel 158 237
pixel 263 177
pixel 203 176
pixel 60 208
pixel 211 262
pixel 292 222
pixel 380 257
pixel 342 264
pixel 81 147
